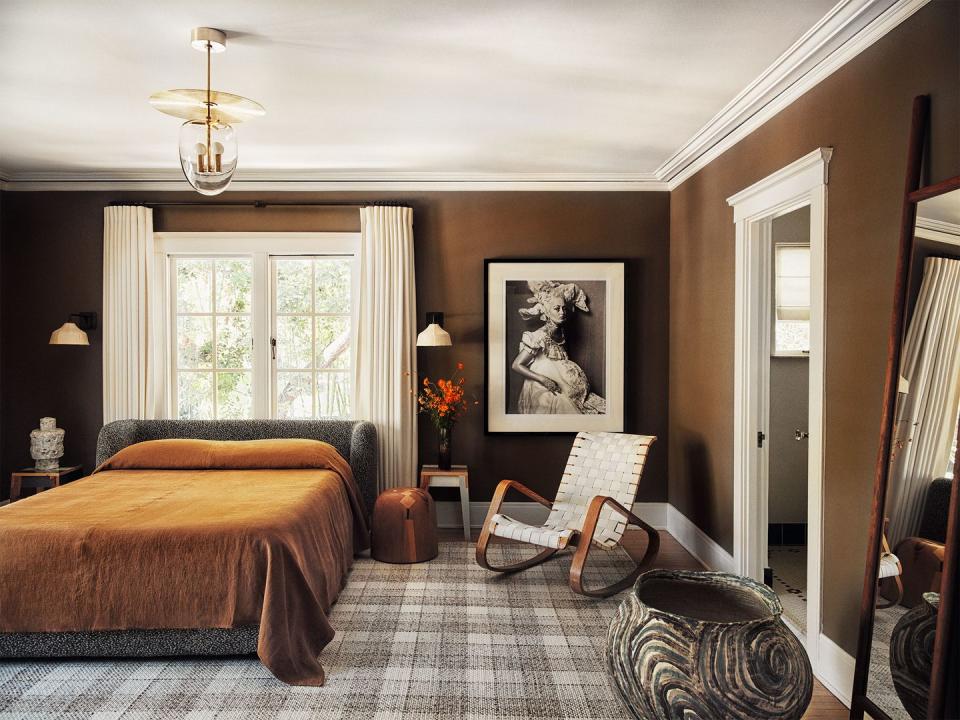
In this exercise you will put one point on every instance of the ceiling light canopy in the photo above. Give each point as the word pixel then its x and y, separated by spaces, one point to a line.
pixel 208 142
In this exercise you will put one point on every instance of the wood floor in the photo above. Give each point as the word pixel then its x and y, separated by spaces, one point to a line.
pixel 673 555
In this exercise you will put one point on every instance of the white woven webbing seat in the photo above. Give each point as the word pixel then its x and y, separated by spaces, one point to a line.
pixel 544 536
pixel 889 566
pixel 600 463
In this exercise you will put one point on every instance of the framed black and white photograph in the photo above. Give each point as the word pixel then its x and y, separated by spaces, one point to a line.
pixel 554 346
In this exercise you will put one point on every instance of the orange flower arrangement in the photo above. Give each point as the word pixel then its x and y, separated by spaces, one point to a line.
pixel 443 401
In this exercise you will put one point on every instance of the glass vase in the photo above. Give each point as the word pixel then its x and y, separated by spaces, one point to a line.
pixel 444 447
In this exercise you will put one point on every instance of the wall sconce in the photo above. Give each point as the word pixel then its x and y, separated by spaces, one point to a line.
pixel 75 333
pixel 434 335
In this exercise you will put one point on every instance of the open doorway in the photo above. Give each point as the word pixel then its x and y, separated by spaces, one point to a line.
pixel 789 397
pixel 779 388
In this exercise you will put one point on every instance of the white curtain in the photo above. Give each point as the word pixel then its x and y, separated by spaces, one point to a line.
pixel 928 412
pixel 386 363
pixel 130 297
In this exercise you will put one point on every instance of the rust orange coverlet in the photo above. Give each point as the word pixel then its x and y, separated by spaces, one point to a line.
pixel 191 534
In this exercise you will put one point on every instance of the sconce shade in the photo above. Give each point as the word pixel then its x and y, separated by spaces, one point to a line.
pixel 433 336
pixel 69 334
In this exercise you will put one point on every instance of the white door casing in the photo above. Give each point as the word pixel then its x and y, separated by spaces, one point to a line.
pixel 802 183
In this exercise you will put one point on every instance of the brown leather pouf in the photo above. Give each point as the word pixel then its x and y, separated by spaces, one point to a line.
pixel 404 526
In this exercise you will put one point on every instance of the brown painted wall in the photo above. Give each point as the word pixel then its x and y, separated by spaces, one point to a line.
pixel 863 111
pixel 52 265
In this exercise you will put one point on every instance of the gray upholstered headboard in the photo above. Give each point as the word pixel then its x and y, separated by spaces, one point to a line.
pixel 356 441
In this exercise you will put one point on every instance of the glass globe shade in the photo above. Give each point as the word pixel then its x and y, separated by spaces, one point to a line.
pixel 208 156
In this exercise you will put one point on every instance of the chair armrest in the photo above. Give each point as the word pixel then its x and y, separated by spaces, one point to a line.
pixel 506 485
pixel 596 505
pixel 501 491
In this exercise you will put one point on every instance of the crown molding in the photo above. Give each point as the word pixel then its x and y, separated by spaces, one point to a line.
pixel 312 180
pixel 848 29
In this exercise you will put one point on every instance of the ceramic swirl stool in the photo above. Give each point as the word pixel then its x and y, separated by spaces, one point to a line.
pixel 404 526
pixel 706 645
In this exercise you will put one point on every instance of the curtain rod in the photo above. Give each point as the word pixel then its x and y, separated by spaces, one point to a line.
pixel 257 204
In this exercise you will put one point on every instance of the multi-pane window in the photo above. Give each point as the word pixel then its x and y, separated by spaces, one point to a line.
pixel 213 338
pixel 257 328
pixel 792 299
pixel 312 332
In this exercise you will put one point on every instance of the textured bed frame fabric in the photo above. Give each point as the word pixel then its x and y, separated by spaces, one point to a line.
pixel 356 441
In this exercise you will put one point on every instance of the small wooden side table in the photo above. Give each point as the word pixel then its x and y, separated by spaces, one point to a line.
pixel 41 479
pixel 456 476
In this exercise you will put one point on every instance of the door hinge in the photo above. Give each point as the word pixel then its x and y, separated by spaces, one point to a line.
pixel 273 348
pixel 760 438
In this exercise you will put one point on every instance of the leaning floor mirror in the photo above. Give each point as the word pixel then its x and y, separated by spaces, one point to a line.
pixel 907 650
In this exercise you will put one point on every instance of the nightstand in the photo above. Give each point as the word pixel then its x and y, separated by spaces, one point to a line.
pixel 456 476
pixel 41 479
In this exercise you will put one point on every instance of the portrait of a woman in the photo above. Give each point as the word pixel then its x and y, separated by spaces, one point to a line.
pixel 553 383
pixel 554 345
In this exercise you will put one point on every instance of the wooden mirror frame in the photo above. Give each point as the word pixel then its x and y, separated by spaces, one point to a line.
pixel 941 703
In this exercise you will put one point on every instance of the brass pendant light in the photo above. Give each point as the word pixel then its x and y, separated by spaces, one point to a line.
pixel 208 143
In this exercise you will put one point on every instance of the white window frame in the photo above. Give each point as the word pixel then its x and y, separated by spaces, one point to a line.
pixel 272 320
pixel 260 247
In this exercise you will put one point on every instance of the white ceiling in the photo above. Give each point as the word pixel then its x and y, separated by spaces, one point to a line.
pixel 509 87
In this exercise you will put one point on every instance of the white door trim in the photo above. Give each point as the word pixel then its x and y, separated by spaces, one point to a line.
pixel 802 183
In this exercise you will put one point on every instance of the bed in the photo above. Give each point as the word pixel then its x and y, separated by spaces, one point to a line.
pixel 177 546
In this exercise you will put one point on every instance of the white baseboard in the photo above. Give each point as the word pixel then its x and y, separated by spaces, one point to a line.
pixel 660 515
pixel 697 542
pixel 835 670
pixel 652 513
pixel 448 513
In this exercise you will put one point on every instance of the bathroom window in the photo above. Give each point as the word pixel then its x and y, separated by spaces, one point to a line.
pixel 791 316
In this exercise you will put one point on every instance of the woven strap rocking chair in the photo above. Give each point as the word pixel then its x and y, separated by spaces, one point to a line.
pixel 592 507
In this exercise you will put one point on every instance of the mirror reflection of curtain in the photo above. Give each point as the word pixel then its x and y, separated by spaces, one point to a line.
pixel 931 365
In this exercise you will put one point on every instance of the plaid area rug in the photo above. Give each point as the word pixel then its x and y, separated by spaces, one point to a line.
pixel 444 639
